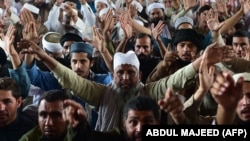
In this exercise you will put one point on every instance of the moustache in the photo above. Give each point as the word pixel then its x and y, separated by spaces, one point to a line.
pixel 245 110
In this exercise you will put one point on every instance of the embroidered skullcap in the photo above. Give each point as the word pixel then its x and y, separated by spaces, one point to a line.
pixel 245 75
pixel 31 8
pixel 153 6
pixel 81 47
pixel 181 20
pixel 70 37
pixel 126 58
pixel 102 1
pixel 51 42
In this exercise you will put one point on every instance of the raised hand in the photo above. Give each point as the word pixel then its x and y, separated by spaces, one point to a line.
pixel 188 4
pixel 206 75
pixel 30 47
pixel 74 113
pixel 156 30
pixel 218 53
pixel 172 105
pixel 98 40
pixel 8 40
pixel 108 21
pixel 126 25
pixel 221 6
pixel 225 91
pixel 30 32
pixel 170 56
pixel 26 17
pixel 213 21
pixel 246 6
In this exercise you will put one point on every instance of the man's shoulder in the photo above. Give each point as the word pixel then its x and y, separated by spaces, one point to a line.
pixel 33 134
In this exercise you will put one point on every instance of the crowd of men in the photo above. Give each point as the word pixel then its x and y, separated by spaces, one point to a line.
pixel 75 70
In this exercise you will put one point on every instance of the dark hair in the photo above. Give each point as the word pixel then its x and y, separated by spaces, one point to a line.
pixel 241 34
pixel 54 95
pixel 10 84
pixel 142 35
pixel 203 8
pixel 90 57
pixel 3 57
pixel 141 103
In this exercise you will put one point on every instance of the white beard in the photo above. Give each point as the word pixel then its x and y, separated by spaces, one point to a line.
pixel 127 94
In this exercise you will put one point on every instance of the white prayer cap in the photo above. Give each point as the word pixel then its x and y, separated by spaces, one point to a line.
pixel 51 42
pixel 155 5
pixel 31 8
pixel 126 58
pixel 104 11
pixel 137 5
pixel 245 75
pixel 102 1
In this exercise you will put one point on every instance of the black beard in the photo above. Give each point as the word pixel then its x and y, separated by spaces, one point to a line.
pixel 156 20
pixel 143 58
pixel 41 5
pixel 241 122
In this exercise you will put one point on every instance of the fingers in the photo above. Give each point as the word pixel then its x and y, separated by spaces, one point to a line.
pixel 220 85
pixel 170 101
pixel 74 112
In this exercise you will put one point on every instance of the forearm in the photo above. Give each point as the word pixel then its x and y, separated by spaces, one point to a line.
pixel 28 60
pixel 230 22
pixel 161 46
pixel 110 48
pixel 121 46
pixel 108 59
pixel 15 60
pixel 225 116
pixel 21 76
pixel 199 94
pixel 140 29
pixel 50 62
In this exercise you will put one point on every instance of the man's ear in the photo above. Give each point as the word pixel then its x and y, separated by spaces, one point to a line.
pixel 140 75
pixel 92 63
pixel 19 101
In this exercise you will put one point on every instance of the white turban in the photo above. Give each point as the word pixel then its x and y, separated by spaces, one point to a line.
pixel 126 58
pixel 51 42
pixel 245 75
pixel 155 5
pixel 137 5
pixel 31 8
pixel 102 1
pixel 104 11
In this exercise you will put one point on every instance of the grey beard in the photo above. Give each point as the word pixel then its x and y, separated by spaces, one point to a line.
pixel 127 94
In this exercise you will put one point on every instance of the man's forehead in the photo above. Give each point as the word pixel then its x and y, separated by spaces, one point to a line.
pixel 125 67
pixel 140 114
pixel 51 106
